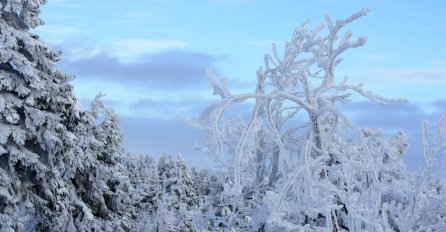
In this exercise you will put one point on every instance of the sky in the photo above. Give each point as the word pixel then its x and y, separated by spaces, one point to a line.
pixel 148 57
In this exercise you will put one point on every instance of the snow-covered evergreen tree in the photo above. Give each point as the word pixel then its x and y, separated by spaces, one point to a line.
pixel 165 216
pixel 143 174
pixel 183 188
pixel 146 189
pixel 38 113
pixel 180 194
pixel 185 195
pixel 100 181
pixel 59 167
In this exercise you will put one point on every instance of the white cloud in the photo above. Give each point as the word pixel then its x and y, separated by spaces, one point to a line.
pixel 141 17
pixel 417 84
pixel 130 49
pixel 234 2
pixel 60 31
pixel 263 43
pixel 435 75
pixel 67 3
pixel 125 50
pixel 80 52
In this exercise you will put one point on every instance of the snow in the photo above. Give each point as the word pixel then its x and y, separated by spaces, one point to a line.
pixel 63 167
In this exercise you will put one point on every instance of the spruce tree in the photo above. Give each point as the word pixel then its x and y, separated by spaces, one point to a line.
pixel 145 190
pixel 59 169
pixel 38 112
pixel 100 181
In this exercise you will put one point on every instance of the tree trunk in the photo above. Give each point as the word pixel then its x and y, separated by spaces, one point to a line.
pixel 316 131
pixel 275 167
pixel 259 163
pixel 318 141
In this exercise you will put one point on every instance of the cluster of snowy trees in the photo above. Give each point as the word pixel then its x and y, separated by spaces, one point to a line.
pixel 62 167
pixel 296 163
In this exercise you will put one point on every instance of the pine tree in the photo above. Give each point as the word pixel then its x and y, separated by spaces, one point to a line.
pixel 179 192
pixel 186 197
pixel 165 216
pixel 146 189
pixel 38 114
pixel 183 188
pixel 59 167
pixel 100 180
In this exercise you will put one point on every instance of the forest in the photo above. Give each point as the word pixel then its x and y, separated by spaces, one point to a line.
pixel 296 162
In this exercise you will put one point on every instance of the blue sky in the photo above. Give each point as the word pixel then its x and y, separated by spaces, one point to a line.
pixel 148 57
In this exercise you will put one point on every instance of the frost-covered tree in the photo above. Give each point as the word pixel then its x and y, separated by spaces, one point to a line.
pixel 146 190
pixel 186 196
pixel 300 83
pixel 183 188
pixel 165 216
pixel 143 174
pixel 325 174
pixel 59 164
pixel 100 180
pixel 179 194
pixel 418 203
pixel 38 114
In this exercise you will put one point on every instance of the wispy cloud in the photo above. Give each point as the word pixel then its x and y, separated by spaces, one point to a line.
pixel 68 3
pixel 338 1
pixel 391 117
pixel 127 49
pixel 141 17
pixel 421 84
pixel 64 31
pixel 163 83
pixel 167 70
pixel 263 43
pixel 374 57
pixel 416 75
pixel 234 2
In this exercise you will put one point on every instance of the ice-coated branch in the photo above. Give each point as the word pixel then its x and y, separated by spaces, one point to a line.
pixel 426 151
pixel 341 23
pixel 307 56
pixel 305 152
pixel 242 145
pixel 437 144
pixel 221 90
pixel 338 176
pixel 368 94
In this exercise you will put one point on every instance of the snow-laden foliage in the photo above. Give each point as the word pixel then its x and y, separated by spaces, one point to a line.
pixel 163 196
pixel 302 162
pixel 296 163
pixel 419 204
pixel 38 112
pixel 59 167
pixel 178 196
pixel 101 185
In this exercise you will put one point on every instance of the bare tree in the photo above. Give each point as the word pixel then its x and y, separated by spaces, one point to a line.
pixel 302 80
pixel 298 148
